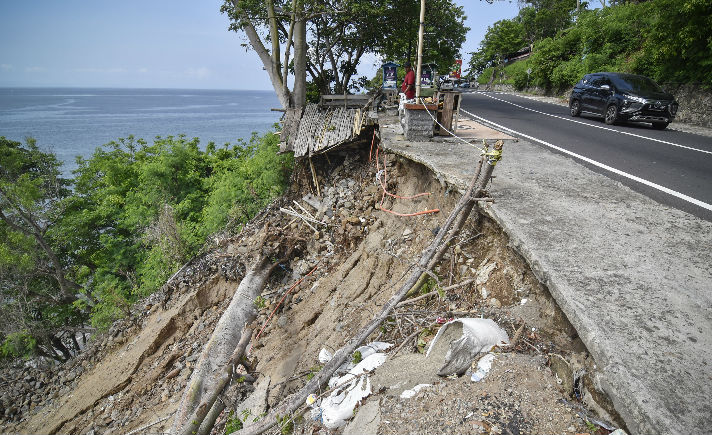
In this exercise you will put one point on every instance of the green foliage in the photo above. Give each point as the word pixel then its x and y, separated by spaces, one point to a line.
pixel 313 371
pixel 286 424
pixel 233 423
pixel 260 302
pixel 151 207
pixel 429 285
pixel 18 344
pixel 484 77
pixel 667 40
pixel 138 211
pixel 36 290
pixel 357 357
pixel 445 31
pixel 516 73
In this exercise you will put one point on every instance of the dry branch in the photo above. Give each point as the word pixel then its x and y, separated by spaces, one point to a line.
pixel 434 292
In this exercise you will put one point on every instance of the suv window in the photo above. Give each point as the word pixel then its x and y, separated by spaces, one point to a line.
pixel 635 83
pixel 598 81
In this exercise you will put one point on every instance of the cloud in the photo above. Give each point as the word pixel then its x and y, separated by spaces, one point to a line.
pixel 198 73
pixel 100 70
pixel 6 67
pixel 143 70
pixel 33 69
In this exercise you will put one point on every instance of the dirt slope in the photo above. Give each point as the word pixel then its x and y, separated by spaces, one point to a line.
pixel 134 375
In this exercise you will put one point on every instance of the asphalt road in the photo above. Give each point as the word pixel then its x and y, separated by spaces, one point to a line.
pixel 671 167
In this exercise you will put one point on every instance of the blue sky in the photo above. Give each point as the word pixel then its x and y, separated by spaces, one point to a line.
pixel 149 44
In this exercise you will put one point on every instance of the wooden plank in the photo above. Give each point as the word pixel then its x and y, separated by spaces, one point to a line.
pixel 447 112
pixel 322 128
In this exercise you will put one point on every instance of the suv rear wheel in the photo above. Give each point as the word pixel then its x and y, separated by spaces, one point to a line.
pixel 611 114
pixel 660 125
pixel 575 108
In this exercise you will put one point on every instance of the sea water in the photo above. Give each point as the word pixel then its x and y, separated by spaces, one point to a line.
pixel 75 121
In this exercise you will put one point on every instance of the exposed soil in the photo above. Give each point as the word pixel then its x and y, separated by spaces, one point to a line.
pixel 134 374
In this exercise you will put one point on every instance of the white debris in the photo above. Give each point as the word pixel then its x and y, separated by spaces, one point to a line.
pixel 483 367
pixel 325 356
pixel 368 364
pixel 484 273
pixel 352 387
pixel 485 332
pixel 407 394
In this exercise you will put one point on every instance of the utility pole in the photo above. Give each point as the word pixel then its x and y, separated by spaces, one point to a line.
pixel 419 70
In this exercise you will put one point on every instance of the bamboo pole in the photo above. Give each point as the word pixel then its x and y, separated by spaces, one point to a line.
pixel 421 30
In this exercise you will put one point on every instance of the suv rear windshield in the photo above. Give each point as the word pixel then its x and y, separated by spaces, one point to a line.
pixel 635 83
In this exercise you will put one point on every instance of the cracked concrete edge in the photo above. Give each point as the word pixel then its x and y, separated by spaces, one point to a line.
pixel 641 412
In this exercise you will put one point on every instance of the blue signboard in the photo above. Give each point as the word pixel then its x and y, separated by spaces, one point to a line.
pixel 390 75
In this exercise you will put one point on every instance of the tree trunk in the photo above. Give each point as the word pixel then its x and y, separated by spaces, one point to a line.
pixel 223 342
pixel 279 85
pixel 300 60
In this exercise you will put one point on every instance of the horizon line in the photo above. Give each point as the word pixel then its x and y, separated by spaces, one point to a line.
pixel 129 87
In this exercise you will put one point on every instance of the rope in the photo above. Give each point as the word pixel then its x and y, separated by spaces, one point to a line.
pixel 385 192
pixel 444 128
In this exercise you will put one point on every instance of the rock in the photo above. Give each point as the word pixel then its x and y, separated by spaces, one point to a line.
pixel 484 273
pixel 353 220
pixel 494 302
pixel 563 372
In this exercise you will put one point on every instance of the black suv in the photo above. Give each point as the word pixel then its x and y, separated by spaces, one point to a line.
pixel 623 97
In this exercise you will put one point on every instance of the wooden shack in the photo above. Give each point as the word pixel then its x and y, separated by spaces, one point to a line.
pixel 336 120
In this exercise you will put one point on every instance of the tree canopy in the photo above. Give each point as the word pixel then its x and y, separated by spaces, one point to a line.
pixel 76 253
pixel 667 40
pixel 334 36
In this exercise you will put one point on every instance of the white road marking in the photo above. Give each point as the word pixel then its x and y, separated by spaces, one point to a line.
pixel 596 126
pixel 669 191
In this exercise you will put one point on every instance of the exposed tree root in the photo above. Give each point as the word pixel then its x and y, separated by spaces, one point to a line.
pixel 219 350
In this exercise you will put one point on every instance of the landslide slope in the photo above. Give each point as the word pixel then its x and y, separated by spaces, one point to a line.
pixel 134 375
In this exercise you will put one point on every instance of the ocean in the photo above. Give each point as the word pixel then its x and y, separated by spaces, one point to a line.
pixel 75 121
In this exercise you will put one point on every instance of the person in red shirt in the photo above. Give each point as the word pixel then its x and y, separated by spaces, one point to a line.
pixel 408 86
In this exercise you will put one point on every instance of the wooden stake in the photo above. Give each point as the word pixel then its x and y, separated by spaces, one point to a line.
pixel 313 172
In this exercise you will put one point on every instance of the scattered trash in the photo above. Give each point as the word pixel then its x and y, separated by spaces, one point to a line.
pixel 325 356
pixel 311 399
pixel 618 432
pixel 350 388
pixel 478 336
pixel 483 367
pixel 365 351
pixel 407 394
pixel 524 301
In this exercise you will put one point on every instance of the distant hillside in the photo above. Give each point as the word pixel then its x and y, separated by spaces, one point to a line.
pixel 667 40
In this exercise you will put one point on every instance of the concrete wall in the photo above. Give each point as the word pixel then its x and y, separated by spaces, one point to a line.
pixel 695 103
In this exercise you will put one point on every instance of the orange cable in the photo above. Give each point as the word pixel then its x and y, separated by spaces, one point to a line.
pixel 385 192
